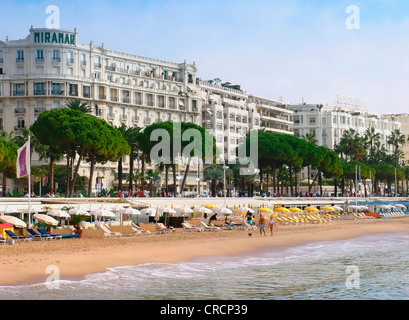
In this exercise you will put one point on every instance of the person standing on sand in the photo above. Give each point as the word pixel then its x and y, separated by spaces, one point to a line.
pixel 271 224
pixel 261 224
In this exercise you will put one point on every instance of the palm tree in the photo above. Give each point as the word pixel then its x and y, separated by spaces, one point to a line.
pixel 352 144
pixel 150 174
pixel 396 140
pixel 77 104
pixel 371 137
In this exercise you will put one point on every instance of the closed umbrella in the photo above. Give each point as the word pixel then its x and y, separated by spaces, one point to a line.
pixel 79 211
pixel 16 222
pixel 45 219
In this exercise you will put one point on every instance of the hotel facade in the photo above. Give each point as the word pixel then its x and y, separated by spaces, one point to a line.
pixel 50 67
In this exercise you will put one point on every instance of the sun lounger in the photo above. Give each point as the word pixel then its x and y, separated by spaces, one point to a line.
pixel 48 235
pixel 188 227
pixel 2 241
pixel 138 231
pixel 13 236
pixel 161 228
pixel 37 236
pixel 206 227
pixel 107 232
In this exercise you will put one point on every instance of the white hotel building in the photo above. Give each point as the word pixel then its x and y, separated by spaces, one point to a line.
pixel 50 67
pixel 329 124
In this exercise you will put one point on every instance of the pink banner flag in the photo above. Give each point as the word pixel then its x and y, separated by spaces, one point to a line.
pixel 23 160
pixel 45 181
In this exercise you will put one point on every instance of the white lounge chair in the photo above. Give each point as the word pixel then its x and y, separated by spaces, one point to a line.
pixel 188 227
pixel 206 227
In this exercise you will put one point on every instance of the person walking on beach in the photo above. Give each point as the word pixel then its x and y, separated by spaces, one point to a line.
pixel 261 224
pixel 249 218
pixel 271 224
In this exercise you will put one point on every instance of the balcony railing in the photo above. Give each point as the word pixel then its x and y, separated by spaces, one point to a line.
pixel 56 59
pixel 39 92
pixel 19 127
pixel 39 60
pixel 19 60
pixel 86 95
pixel 102 97
pixel 70 60
pixel 114 99
pixel 97 65
pixel 57 92
pixel 19 93
pixel 20 110
pixel 125 100
pixel 39 110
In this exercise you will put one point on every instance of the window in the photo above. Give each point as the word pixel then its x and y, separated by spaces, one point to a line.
pixel 1 56
pixel 70 71
pixel 83 61
pixel 138 98
pixel 20 56
pixel 56 55
pixel 312 120
pixel 56 89
pixel 97 61
pixel 56 104
pixel 110 112
pixel 19 89
pixel 40 55
pixel 70 56
pixel 149 100
pixel 39 88
pixel 56 71
pixel 20 123
pixel 20 71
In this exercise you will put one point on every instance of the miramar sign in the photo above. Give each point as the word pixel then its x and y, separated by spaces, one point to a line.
pixel 54 37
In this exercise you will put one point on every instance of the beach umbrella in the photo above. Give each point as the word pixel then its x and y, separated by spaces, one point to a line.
pixel 45 219
pixel 130 211
pixel 338 208
pixel 210 206
pixel 311 209
pixel 32 210
pixel 149 211
pixel 103 212
pixel 265 210
pixel 169 210
pixel 327 208
pixel 7 209
pixel 185 210
pixel 59 213
pixel 244 209
pixel 205 210
pixel 79 211
pixel 282 209
pixel 16 222
pixel 226 211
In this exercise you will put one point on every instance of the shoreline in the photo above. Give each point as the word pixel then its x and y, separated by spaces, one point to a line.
pixel 26 263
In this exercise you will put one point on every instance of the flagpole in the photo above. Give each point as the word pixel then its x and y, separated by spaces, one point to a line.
pixel 29 182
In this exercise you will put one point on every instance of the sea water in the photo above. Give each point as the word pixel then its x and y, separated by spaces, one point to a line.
pixel 369 267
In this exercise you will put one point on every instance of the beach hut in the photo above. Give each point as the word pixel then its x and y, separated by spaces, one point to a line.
pixel 4 227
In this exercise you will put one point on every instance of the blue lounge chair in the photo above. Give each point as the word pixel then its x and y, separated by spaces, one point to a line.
pixel 2 241
pixel 13 236
pixel 36 236
pixel 47 235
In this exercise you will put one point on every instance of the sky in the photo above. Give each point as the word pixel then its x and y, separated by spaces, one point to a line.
pixel 289 50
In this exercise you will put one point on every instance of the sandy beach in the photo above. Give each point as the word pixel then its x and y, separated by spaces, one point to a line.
pixel 26 263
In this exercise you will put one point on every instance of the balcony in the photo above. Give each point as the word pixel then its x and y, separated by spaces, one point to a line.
pixel 39 60
pixel 56 60
pixel 57 92
pixel 83 63
pixel 114 99
pixel 102 97
pixel 18 93
pixel 97 65
pixel 108 68
pixel 20 110
pixel 70 60
pixel 125 100
pixel 19 60
pixel 19 127
pixel 39 110
pixel 86 95
pixel 40 92
pixel 73 94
